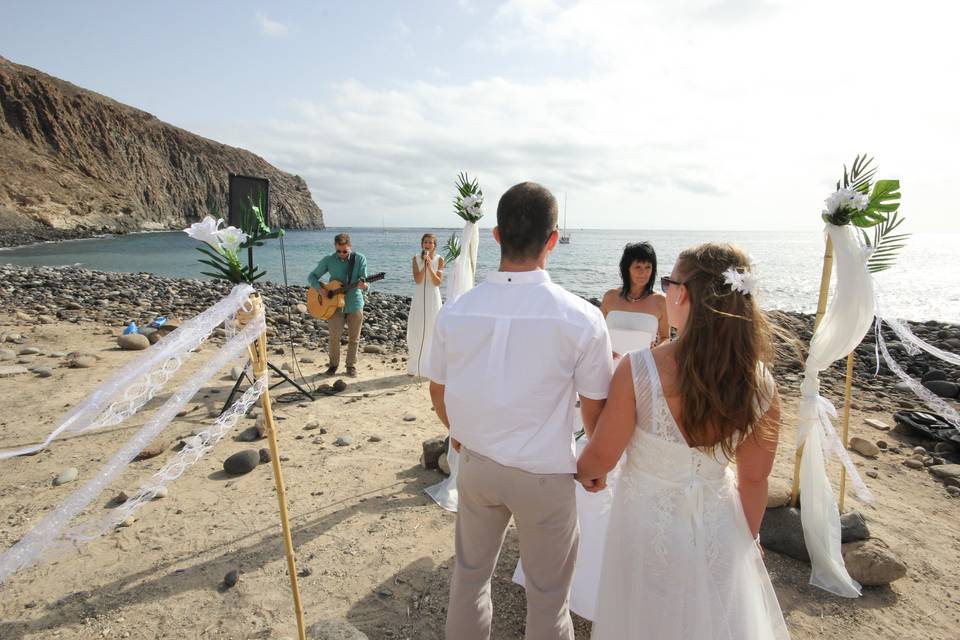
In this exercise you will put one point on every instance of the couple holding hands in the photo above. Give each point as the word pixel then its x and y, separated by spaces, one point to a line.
pixel 665 528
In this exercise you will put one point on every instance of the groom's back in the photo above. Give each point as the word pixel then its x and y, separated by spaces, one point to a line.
pixel 515 350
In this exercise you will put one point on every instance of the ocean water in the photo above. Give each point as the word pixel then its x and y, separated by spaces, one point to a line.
pixel 924 285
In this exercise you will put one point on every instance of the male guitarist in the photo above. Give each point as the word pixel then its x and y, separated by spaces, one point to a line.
pixel 350 269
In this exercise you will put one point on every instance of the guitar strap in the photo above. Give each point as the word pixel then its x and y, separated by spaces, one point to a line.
pixel 350 267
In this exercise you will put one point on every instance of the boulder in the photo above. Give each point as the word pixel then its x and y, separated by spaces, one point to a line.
pixel 871 563
pixel 778 493
pixel 782 531
pixel 372 348
pixel 933 374
pixel 864 447
pixel 432 449
pixel 12 370
pixel 133 342
pixel 944 471
pixel 853 527
pixel 943 388
pixel 443 464
pixel 242 462
pixel 877 424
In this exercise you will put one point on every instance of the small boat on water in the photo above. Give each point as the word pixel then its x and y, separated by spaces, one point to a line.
pixel 564 236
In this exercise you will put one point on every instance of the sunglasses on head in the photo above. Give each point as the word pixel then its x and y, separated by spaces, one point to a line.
pixel 666 281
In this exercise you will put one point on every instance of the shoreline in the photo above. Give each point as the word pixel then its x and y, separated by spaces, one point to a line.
pixel 113 299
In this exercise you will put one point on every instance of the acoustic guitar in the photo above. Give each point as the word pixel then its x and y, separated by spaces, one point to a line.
pixel 323 303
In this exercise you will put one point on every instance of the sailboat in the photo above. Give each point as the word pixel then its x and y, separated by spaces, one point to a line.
pixel 564 236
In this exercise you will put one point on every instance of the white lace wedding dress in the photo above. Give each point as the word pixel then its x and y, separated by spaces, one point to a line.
pixel 679 561
pixel 629 331
pixel 424 308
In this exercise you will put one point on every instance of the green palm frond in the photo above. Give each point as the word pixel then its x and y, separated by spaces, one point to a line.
pixel 885 243
pixel 465 189
pixel 860 174
pixel 452 248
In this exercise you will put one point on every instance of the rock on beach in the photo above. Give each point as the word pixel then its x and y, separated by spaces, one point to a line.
pixel 242 462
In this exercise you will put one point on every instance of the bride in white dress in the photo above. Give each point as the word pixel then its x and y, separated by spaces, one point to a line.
pixel 426 302
pixel 680 559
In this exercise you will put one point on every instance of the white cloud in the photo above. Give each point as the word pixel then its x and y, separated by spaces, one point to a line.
pixel 697 114
pixel 271 27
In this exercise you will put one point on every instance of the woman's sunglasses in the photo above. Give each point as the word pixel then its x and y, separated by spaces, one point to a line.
pixel 666 281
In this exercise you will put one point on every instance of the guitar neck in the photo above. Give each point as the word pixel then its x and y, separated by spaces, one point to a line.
pixel 353 285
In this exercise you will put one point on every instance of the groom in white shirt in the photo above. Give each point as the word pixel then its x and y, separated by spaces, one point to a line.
pixel 506 361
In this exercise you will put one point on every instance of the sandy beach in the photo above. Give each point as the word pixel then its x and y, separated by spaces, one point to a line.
pixel 372 549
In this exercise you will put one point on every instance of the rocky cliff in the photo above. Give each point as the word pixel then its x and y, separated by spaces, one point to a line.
pixel 75 163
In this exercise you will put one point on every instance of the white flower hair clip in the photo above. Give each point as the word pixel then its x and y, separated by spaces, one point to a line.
pixel 746 282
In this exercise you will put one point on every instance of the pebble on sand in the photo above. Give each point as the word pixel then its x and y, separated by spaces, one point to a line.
pixel 242 462
pixel 230 580
pixel 133 342
pixel 864 447
pixel 67 475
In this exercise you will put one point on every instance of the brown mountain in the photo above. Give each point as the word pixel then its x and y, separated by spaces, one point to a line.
pixel 75 163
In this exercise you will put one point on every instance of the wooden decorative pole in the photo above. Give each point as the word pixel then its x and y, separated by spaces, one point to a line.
pixel 821 310
pixel 258 356
pixel 847 393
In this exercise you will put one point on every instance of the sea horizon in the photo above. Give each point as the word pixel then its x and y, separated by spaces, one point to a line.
pixel 789 262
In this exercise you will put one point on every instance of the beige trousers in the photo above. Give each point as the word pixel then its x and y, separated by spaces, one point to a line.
pixel 545 511
pixel 353 321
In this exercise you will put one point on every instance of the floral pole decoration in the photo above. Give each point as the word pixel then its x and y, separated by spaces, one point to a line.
pixel 225 243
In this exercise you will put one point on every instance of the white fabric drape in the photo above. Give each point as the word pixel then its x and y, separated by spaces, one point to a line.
pixel 48 536
pixel 461 273
pixel 460 278
pixel 137 382
pixel 843 327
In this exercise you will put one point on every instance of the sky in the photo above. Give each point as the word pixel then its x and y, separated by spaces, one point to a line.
pixel 645 114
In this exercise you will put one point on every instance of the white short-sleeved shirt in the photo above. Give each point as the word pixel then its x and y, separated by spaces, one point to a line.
pixel 513 352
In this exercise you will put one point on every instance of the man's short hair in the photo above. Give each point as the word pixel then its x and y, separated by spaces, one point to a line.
pixel 526 216
pixel 341 238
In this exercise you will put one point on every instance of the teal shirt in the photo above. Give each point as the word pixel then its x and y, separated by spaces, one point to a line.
pixel 336 268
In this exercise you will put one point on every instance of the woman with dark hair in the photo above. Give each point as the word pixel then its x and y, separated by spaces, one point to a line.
pixel 636 314
pixel 698 420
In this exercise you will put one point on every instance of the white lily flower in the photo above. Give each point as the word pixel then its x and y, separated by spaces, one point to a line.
pixel 207 230
pixel 231 238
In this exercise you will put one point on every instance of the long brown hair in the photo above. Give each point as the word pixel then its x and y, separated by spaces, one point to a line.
pixel 725 338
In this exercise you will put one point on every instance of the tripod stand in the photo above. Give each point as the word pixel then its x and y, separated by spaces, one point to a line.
pixel 246 375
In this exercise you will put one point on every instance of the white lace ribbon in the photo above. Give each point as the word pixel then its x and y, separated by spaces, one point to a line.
pixel 47 538
pixel 137 382
pixel 933 402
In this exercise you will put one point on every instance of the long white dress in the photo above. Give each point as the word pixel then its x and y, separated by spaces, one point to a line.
pixel 424 308
pixel 629 331
pixel 679 561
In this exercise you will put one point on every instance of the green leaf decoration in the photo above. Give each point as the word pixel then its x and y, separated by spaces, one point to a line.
pixel 885 196
pixel 452 248
pixel 465 189
pixel 885 243
pixel 860 174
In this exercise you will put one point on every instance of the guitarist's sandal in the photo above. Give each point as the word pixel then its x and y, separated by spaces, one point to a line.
pixel 323 303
